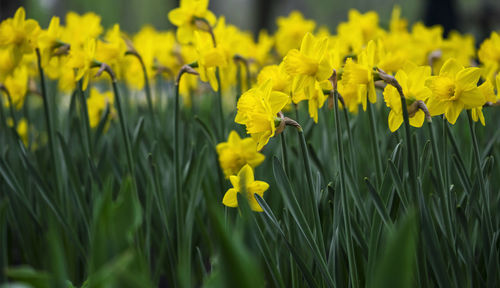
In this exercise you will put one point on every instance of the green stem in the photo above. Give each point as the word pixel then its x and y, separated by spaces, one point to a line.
pixel 411 156
pixel 437 163
pixel 479 171
pixel 177 168
pixel 343 191
pixel 219 102
pixel 49 123
pixel 11 106
pixel 374 142
pixel 147 87
pixel 312 200
pixel 123 126
pixel 85 115
pixel 351 144
pixel 284 153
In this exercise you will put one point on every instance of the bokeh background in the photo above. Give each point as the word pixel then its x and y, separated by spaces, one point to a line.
pixel 478 17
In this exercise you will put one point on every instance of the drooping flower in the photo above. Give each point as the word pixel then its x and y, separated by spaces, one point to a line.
pixel 412 80
pixel 185 16
pixel 237 152
pixel 245 184
pixel 489 55
pixel 257 110
pixel 453 90
pixel 487 90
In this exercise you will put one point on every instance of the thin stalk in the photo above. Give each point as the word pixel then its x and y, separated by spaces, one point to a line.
pixel 49 123
pixel 374 142
pixel 85 115
pixel 479 171
pixel 219 103
pixel 343 191
pixel 312 200
pixel 2 115
pixel 284 153
pixel 11 105
pixel 147 86
pixel 103 67
pixel 437 163
pixel 351 144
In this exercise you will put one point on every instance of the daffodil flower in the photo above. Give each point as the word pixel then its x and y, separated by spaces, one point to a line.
pixel 237 152
pixel 96 105
pixel 245 184
pixel 184 17
pixel 453 90
pixel 258 109
pixel 360 74
pixel 82 60
pixel 412 81
pixel 209 58
pixel 291 31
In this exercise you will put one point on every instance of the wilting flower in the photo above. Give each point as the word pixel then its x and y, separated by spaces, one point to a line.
pixel 185 16
pixel 453 90
pixel 237 152
pixel 412 81
pixel 245 184
pixel 257 110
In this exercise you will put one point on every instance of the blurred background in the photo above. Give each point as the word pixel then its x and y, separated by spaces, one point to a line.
pixel 478 17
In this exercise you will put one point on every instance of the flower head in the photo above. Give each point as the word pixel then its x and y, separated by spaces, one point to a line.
pixel 237 152
pixel 412 81
pixel 291 31
pixel 245 184
pixel 96 105
pixel 82 60
pixel 258 109
pixel 185 16
pixel 453 90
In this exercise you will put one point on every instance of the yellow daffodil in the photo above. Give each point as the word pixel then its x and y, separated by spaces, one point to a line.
pixel 17 85
pixel 49 39
pixel 453 90
pixel 82 60
pixel 359 29
pixel 257 110
pixel 309 65
pixel 281 80
pixel 96 105
pixel 487 90
pixel 21 129
pixel 489 55
pixel 112 49
pixel 237 152
pixel 19 34
pixel 184 17
pixel 291 31
pixel 81 28
pixel 360 74
pixel 209 58
pixel 412 81
pixel 245 184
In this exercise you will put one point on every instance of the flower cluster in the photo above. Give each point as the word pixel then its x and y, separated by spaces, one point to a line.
pixel 300 62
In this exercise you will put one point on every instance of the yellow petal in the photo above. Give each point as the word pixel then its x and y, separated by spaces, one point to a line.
pixel 230 198
pixel 467 78
pixel 395 121
pixel 472 98
pixel 453 111
pixel 450 68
